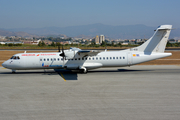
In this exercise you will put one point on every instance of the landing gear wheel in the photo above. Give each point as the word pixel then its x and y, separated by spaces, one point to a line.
pixel 84 71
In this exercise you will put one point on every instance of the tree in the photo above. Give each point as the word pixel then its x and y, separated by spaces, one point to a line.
pixel 39 44
pixel 10 44
pixel 43 44
pixel 112 43
pixel 53 44
pixel 119 44
pixel 58 44
pixel 50 38
pixel 168 44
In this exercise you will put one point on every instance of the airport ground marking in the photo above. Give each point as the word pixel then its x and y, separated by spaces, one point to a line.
pixel 63 76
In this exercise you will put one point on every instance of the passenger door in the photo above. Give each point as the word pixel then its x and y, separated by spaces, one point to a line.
pixel 129 58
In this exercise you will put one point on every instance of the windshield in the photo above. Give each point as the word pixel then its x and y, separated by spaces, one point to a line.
pixel 15 57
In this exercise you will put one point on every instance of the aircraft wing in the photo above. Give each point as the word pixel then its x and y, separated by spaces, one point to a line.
pixel 84 53
pixel 88 52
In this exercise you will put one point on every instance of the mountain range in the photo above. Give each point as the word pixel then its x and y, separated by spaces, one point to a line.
pixel 138 31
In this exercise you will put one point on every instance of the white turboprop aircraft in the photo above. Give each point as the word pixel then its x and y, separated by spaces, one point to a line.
pixel 83 60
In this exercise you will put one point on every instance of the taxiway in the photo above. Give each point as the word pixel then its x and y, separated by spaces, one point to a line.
pixel 149 92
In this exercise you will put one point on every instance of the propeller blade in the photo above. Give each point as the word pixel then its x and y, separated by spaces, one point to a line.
pixel 59 48
pixel 62 54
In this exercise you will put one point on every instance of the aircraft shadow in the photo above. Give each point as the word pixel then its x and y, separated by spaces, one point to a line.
pixel 117 70
pixel 67 74
pixel 70 75
pixel 35 72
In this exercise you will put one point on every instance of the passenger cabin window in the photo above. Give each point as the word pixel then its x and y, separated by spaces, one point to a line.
pixel 107 58
pixel 96 58
pixel 40 59
pixel 44 59
pixel 123 57
pixel 47 59
pixel 54 59
pixel 58 59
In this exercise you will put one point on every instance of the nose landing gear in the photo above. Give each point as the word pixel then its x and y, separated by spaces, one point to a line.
pixel 13 71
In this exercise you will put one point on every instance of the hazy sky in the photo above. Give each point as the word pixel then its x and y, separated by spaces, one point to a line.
pixel 62 13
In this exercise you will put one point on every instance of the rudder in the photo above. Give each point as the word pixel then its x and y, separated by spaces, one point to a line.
pixel 158 41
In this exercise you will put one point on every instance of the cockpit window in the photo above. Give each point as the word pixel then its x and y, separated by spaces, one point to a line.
pixel 15 57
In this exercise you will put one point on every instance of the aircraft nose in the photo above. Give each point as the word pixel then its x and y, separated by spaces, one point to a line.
pixel 4 64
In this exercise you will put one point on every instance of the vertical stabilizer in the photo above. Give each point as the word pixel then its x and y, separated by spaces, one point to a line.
pixel 157 42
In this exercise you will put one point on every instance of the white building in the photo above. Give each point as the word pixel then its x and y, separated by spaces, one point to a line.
pixel 2 43
pixel 101 38
pixel 35 42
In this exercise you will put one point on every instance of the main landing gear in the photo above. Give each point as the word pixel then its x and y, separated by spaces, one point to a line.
pixel 83 70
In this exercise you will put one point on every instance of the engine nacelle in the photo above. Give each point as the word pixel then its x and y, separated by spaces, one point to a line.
pixel 69 54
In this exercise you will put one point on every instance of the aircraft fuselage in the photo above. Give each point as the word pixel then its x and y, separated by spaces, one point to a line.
pixel 103 59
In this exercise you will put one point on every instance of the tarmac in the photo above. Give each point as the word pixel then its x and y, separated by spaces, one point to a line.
pixel 150 92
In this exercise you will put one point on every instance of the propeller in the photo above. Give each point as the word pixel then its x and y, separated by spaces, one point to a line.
pixel 59 48
pixel 62 54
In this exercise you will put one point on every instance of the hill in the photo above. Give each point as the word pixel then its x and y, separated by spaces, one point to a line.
pixel 123 31
pixel 19 34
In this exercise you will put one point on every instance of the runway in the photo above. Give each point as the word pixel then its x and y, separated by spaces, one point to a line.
pixel 147 92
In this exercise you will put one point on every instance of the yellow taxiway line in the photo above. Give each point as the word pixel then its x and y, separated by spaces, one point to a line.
pixel 63 76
